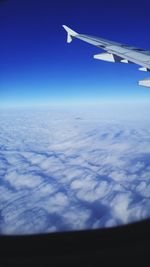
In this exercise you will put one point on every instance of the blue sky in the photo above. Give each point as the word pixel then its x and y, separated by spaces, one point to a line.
pixel 37 66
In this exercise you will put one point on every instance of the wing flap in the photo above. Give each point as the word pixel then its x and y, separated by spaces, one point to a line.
pixel 145 82
pixel 111 58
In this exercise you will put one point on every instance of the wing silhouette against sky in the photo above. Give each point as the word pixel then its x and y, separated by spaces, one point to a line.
pixel 115 52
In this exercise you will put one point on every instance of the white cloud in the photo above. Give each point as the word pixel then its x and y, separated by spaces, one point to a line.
pixel 77 219
pixel 57 171
pixel 19 181
pixel 144 189
pixel 120 206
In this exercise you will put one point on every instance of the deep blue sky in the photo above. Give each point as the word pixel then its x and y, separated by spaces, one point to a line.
pixel 38 66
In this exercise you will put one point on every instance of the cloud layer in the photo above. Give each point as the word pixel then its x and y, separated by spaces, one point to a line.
pixel 68 170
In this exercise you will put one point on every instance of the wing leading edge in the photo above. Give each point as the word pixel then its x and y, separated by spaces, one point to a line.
pixel 115 52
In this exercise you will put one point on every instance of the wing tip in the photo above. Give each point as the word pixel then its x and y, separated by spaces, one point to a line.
pixel 69 30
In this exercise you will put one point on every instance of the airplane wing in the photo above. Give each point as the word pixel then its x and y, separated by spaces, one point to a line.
pixel 115 52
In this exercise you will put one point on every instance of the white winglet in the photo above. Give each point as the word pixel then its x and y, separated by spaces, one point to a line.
pixel 70 33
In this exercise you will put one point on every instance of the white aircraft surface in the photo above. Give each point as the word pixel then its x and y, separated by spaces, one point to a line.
pixel 116 52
